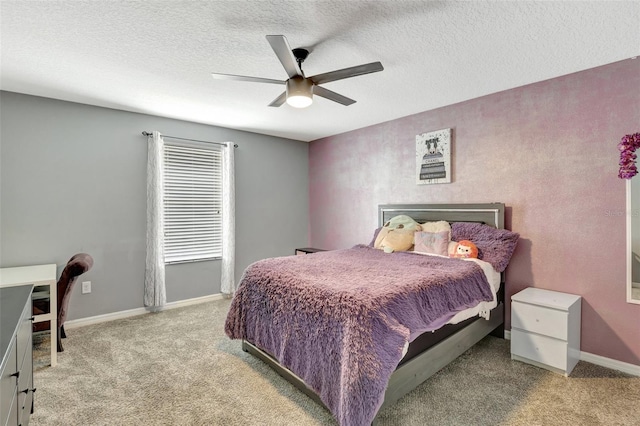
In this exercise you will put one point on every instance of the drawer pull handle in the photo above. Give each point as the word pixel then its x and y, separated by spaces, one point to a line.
pixel 26 391
pixel 16 375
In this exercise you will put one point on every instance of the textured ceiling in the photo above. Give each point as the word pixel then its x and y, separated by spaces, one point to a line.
pixel 156 57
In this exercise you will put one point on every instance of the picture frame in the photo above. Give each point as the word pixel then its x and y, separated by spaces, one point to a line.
pixel 433 157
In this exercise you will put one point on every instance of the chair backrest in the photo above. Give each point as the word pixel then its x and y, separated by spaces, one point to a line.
pixel 76 266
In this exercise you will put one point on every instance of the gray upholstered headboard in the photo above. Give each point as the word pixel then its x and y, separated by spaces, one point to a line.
pixel 491 213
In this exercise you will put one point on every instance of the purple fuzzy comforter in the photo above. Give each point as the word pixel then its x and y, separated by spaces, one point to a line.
pixel 340 319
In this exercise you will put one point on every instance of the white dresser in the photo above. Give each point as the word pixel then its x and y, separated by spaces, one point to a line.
pixel 16 350
pixel 545 329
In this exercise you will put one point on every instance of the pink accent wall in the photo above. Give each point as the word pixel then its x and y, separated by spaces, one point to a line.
pixel 546 150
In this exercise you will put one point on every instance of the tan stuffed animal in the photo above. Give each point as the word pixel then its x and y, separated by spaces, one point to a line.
pixel 397 234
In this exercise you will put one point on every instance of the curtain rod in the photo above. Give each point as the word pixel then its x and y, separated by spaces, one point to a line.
pixel 235 145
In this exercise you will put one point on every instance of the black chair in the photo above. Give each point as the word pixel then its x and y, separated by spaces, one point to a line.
pixel 76 266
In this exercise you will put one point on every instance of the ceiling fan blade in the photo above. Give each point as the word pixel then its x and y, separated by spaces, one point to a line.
pixel 285 55
pixel 279 100
pixel 347 72
pixel 245 78
pixel 332 96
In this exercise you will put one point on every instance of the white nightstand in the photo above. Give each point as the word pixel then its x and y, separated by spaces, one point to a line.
pixel 545 329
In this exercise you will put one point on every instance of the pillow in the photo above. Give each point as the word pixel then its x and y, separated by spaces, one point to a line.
pixel 452 247
pixel 439 226
pixel 494 245
pixel 396 234
pixel 391 240
pixel 402 222
pixel 375 235
pixel 432 242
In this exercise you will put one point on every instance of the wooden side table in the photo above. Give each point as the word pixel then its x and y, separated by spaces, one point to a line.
pixel 307 250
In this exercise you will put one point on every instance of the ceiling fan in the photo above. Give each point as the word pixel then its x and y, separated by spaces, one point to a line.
pixel 299 88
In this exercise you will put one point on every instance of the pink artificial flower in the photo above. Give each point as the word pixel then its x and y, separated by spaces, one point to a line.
pixel 627 146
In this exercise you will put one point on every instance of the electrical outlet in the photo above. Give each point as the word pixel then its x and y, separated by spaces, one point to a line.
pixel 86 287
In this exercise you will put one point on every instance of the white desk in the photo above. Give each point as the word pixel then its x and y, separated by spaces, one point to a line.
pixel 38 275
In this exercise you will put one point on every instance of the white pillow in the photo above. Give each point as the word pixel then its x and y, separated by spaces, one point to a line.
pixel 452 247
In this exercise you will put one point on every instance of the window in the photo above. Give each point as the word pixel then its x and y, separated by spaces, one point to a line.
pixel 192 200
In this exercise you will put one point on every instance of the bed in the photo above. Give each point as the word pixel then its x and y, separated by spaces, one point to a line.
pixel 373 354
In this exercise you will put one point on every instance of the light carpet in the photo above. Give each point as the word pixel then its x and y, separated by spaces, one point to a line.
pixel 177 367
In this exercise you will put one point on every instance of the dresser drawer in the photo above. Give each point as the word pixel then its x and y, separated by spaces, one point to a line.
pixel 26 370
pixel 24 411
pixel 12 403
pixel 8 384
pixel 25 383
pixel 24 332
pixel 538 319
pixel 545 350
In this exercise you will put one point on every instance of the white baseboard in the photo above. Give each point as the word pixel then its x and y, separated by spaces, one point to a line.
pixel 80 322
pixel 613 364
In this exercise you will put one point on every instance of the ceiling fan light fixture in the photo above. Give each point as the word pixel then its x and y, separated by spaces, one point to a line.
pixel 299 92
pixel 299 101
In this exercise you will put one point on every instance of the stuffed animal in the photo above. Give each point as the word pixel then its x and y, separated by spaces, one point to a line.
pixel 465 248
pixel 397 234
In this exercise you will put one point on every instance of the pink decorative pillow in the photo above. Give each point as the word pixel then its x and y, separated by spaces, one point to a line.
pixel 432 242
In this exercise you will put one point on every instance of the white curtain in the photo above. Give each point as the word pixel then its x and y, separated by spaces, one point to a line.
pixel 154 287
pixel 228 283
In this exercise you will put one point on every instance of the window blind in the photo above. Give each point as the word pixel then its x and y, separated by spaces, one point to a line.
pixel 192 203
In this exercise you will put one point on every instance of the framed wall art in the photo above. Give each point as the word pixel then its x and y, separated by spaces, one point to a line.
pixel 433 157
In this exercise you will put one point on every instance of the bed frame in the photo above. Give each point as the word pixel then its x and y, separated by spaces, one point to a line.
pixel 430 352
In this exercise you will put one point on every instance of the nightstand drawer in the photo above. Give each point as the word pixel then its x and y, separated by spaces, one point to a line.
pixel 545 350
pixel 541 320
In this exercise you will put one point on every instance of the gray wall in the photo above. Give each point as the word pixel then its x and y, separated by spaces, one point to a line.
pixel 72 179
